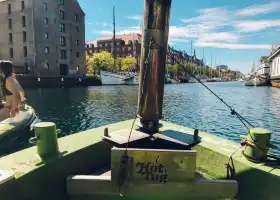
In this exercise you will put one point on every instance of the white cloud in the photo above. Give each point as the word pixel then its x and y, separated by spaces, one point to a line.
pixel 208 28
pixel 135 17
pixel 221 36
pixel 177 40
pixel 105 24
pixel 259 9
pixel 105 32
pixel 253 26
pixel 232 45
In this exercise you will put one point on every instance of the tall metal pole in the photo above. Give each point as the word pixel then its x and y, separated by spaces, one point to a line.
pixel 191 52
pixel 114 37
pixel 152 72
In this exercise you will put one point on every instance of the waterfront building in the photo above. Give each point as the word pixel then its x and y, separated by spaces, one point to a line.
pixel 130 45
pixel 274 58
pixel 126 45
pixel 43 37
pixel 264 66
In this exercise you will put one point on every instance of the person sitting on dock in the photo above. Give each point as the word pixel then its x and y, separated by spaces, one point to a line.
pixel 11 90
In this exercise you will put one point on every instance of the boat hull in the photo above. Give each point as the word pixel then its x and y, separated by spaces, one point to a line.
pixel 250 82
pixel 83 157
pixel 256 81
pixel 260 81
pixel 12 127
pixel 275 81
pixel 109 78
pixel 192 80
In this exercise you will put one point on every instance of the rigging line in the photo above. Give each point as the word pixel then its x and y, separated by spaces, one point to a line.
pixel 233 112
pixel 125 156
pixel 142 90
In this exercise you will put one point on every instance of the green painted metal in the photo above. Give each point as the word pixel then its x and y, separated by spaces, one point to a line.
pixel 45 139
pixel 10 126
pixel 85 153
pixel 261 139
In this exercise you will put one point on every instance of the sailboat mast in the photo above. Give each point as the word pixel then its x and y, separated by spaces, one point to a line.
pixel 211 67
pixel 191 54
pixel 114 38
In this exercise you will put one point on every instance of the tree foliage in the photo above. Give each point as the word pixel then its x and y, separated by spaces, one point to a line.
pixel 98 61
pixel 128 63
pixel 105 61
pixel 190 68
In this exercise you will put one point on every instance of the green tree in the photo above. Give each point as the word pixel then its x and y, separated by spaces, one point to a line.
pixel 128 63
pixel 102 60
pixel 89 68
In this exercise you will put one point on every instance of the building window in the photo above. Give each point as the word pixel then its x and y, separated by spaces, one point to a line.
pixel 9 8
pixel 10 24
pixel 76 17
pixel 62 28
pixel 77 42
pixel 63 55
pixel 100 45
pixel 61 14
pixel 11 38
pixel 62 41
pixel 46 36
pixel 25 51
pixel 22 6
pixel 118 43
pixel 78 54
pixel 46 20
pixel 61 2
pixel 129 48
pixel 23 21
pixel 24 36
pixel 47 50
pixel 11 52
pixel 77 29
pixel 45 6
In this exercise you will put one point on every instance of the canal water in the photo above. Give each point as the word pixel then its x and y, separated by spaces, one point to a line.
pixel 190 105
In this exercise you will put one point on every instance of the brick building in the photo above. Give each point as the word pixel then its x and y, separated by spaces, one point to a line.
pixel 126 45
pixel 130 45
pixel 43 37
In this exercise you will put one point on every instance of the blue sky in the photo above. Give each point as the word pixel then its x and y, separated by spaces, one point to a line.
pixel 235 32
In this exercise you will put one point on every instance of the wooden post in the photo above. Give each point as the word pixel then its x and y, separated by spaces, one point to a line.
pixel 152 73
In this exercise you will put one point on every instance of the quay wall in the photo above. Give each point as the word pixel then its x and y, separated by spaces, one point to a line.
pixel 56 82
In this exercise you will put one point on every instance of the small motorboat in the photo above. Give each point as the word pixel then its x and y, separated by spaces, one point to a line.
pixel 23 121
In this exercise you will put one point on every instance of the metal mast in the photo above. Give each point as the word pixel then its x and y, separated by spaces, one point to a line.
pixel 114 37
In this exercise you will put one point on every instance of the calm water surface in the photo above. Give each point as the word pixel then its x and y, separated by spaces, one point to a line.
pixel 190 105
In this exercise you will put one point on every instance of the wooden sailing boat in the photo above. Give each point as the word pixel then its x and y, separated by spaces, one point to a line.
pixel 120 78
pixel 146 157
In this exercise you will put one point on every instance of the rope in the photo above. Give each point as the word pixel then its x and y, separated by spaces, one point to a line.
pixel 233 112
pixel 124 161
